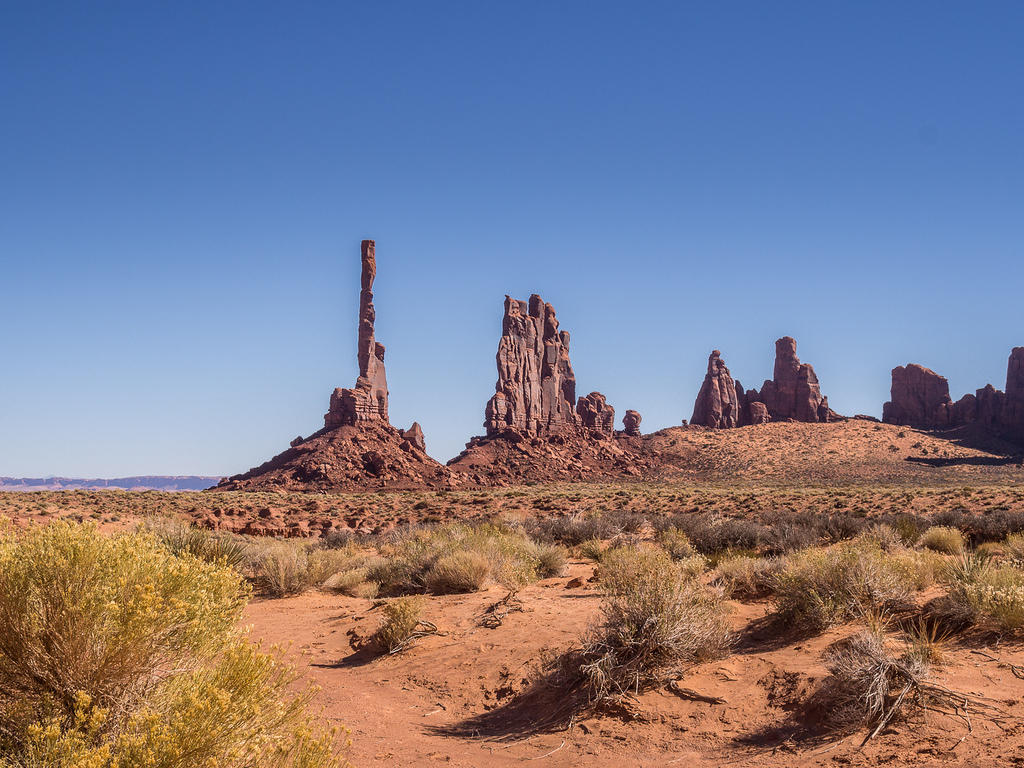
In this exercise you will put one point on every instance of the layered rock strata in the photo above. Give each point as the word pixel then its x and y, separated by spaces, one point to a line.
pixel 537 428
pixel 536 389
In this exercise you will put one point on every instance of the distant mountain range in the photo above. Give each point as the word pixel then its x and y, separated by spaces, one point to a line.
pixel 140 483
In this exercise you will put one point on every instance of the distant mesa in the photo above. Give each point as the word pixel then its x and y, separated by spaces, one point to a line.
pixel 358 448
pixel 135 483
pixel 919 397
pixel 793 394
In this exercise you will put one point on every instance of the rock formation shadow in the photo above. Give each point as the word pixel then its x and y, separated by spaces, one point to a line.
pixel 979 461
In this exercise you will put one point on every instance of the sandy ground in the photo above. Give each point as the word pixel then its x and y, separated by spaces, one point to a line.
pixel 417 708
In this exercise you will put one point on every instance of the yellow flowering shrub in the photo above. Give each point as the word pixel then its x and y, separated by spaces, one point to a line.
pixel 114 652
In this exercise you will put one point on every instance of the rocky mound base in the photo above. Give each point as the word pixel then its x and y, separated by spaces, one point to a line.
pixel 512 457
pixel 373 455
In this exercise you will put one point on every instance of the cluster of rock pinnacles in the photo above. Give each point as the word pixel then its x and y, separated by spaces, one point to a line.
pixel 792 395
pixel 535 395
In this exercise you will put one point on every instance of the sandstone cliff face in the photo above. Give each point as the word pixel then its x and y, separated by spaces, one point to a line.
pixel 719 402
pixel 920 398
pixel 536 389
pixel 368 401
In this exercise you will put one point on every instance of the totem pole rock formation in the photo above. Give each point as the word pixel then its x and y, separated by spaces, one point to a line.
pixel 919 398
pixel 793 393
pixel 536 389
pixel 368 401
pixel 719 401
pixel 631 423
pixel 358 448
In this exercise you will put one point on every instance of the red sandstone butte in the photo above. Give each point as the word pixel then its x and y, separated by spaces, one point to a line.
pixel 919 398
pixel 1013 406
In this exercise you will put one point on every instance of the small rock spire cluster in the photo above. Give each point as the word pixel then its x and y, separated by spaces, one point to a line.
pixel 536 390
pixel 919 397
pixel 368 400
pixel 792 395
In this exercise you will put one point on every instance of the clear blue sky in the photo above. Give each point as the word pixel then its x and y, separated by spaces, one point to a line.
pixel 185 185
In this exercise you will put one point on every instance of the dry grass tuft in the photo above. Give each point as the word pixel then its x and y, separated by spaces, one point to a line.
pixel 746 578
pixel 401 624
pixel 463 571
pixel 874 686
pixel 944 539
pixel 656 619
pixel 821 587
pixel 982 591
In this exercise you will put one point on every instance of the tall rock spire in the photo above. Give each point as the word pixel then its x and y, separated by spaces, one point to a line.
pixel 368 401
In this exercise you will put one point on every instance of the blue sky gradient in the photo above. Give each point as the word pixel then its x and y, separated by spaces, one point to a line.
pixel 185 186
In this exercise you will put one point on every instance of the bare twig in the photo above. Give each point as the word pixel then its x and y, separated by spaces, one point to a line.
pixel 496 612
pixel 692 695
pixel 1016 669
pixel 423 628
